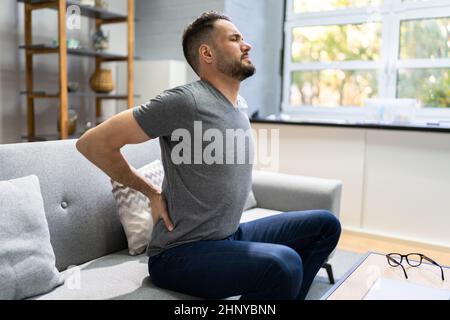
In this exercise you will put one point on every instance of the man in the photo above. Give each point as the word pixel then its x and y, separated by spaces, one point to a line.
pixel 198 246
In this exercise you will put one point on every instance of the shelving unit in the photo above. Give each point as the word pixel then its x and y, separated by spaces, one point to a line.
pixel 101 17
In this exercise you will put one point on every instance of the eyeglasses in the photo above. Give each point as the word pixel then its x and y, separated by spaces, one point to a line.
pixel 413 259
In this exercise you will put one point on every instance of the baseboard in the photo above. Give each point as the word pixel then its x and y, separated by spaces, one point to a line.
pixel 402 240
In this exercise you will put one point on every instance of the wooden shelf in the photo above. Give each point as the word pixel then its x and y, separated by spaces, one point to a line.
pixel 47 49
pixel 86 11
pixel 103 96
pixel 40 95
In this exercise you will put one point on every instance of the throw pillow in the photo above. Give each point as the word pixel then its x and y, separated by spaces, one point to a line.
pixel 27 260
pixel 134 208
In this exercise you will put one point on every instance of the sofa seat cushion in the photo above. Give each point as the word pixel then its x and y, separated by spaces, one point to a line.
pixel 117 276
pixel 257 213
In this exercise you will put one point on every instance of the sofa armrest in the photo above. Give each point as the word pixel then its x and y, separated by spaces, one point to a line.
pixel 286 192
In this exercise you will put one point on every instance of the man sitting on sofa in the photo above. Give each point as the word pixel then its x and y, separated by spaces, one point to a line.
pixel 198 246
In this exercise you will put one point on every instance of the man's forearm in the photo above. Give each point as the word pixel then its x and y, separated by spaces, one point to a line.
pixel 117 168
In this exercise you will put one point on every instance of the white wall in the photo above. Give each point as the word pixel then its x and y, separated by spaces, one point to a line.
pixel 395 183
pixel 152 77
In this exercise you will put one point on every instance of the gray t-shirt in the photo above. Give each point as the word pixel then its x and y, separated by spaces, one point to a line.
pixel 207 189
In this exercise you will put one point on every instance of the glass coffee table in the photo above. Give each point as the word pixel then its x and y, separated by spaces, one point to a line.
pixel 373 274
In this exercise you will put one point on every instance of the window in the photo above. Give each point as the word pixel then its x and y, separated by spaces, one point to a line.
pixel 338 53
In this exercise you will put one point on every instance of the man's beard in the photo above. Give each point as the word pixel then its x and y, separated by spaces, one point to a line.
pixel 236 69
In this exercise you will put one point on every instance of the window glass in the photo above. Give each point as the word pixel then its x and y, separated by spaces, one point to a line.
pixel 336 43
pixel 425 39
pixel 331 88
pixel 430 86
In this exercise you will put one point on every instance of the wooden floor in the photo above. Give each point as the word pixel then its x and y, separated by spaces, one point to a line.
pixel 361 243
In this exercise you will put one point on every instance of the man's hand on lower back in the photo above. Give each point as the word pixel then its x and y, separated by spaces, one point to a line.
pixel 158 207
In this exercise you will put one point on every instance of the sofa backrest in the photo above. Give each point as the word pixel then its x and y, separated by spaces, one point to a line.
pixel 79 205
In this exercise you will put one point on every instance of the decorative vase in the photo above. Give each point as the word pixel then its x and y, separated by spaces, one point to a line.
pixel 101 81
pixel 72 122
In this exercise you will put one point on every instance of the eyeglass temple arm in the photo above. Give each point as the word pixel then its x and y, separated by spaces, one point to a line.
pixel 404 271
pixel 431 260
pixel 437 264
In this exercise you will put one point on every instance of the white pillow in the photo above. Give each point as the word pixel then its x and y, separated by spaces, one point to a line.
pixel 27 260
pixel 134 208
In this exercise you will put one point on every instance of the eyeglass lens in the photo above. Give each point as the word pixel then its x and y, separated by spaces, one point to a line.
pixel 414 259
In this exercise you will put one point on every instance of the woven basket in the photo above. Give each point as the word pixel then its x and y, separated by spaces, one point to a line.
pixel 101 81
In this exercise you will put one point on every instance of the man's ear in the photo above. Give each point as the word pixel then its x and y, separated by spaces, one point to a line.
pixel 205 53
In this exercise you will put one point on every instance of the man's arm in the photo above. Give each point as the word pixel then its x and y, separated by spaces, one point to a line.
pixel 101 146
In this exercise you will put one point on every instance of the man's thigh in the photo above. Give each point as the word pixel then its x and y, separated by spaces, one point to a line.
pixel 294 229
pixel 215 269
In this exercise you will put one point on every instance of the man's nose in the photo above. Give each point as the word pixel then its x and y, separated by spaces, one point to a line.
pixel 246 46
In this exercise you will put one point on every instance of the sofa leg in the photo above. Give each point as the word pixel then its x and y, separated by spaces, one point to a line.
pixel 329 270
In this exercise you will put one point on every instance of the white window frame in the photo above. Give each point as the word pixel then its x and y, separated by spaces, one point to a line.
pixel 390 14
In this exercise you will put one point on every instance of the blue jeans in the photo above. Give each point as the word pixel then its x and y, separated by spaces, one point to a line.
pixel 276 257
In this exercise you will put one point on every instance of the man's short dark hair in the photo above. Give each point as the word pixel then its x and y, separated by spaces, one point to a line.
pixel 197 33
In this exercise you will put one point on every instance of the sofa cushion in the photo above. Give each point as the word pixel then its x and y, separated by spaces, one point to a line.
pixel 134 208
pixel 117 276
pixel 257 213
pixel 27 260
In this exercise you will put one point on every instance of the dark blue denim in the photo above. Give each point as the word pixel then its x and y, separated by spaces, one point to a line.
pixel 276 257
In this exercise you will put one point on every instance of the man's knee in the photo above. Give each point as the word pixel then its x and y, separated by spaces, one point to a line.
pixel 331 222
pixel 286 265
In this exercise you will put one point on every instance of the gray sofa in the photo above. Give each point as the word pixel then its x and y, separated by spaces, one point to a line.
pixel 85 229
